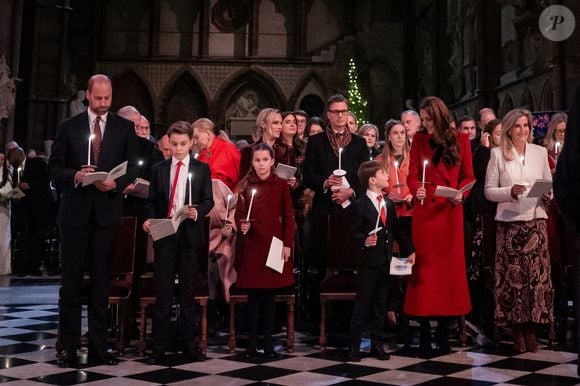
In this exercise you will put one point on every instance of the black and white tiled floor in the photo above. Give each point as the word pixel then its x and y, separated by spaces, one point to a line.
pixel 27 357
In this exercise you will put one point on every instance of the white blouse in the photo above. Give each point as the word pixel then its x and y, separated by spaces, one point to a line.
pixel 503 174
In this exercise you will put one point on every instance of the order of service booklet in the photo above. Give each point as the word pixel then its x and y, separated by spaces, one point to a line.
pixel 116 172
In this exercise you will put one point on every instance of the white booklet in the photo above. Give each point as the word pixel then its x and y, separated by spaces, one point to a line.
pixel 285 171
pixel 118 171
pixel 539 188
pixel 141 189
pixel 447 192
pixel 275 258
pixel 15 193
pixel 400 266
pixel 163 227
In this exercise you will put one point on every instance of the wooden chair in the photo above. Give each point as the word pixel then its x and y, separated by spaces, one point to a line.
pixel 200 293
pixel 286 295
pixel 340 280
pixel 122 268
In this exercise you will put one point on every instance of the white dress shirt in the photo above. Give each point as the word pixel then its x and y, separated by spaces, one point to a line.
pixel 102 124
pixel 502 174
pixel 180 190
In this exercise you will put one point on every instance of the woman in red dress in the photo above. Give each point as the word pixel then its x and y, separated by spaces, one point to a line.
pixel 271 215
pixel 438 288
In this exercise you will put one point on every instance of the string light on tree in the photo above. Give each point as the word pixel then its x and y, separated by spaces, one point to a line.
pixel 357 104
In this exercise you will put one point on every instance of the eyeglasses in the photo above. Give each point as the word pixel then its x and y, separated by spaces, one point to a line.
pixel 338 112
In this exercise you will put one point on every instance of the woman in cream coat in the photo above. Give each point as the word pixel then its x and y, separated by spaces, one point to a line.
pixel 524 295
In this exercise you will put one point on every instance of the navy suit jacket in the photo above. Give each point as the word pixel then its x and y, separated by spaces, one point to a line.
pixel 69 153
pixel 201 195
pixel 363 215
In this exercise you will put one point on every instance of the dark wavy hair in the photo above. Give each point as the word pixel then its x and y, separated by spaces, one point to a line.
pixel 444 135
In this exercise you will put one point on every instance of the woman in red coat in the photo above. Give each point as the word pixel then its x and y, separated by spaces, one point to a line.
pixel 438 286
pixel 271 215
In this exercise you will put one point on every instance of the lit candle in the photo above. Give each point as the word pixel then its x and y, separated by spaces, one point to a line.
pixel 251 202
pixel 90 145
pixel 196 155
pixel 19 175
pixel 140 162
pixel 556 148
pixel 227 206
pixel 397 176
pixel 423 179
pixel 189 177
pixel 522 159
pixel 340 158
pixel 379 214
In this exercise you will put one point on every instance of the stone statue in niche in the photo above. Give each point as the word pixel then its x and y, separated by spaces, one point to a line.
pixel 7 90
pixel 230 15
pixel 247 105
pixel 77 105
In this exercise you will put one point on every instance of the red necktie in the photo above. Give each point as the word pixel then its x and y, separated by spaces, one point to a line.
pixel 173 188
pixel 97 139
pixel 382 209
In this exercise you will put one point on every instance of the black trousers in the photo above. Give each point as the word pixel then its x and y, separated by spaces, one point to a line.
pixel 172 257
pixel 370 304
pixel 86 248
pixel 261 304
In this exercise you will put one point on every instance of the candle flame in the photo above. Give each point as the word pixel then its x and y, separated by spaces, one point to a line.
pixel 189 175
pixel 91 137
pixel 397 164
pixel 253 191
pixel 140 163
pixel 340 149
pixel 425 163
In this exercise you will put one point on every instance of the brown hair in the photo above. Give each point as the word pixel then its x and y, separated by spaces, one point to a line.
pixel 336 98
pixel 551 135
pixel 367 170
pixel 444 134
pixel 180 127
pixel 251 174
pixel 388 148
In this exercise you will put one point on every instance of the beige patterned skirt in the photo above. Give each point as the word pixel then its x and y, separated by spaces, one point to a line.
pixel 523 284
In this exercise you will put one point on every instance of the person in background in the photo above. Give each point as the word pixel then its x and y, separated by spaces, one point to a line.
pixel 164 146
pixel 467 125
pixel 412 122
pixel 524 296
pixel 443 156
pixel 301 119
pixel 555 137
pixel 370 133
pixel 395 155
pixel 5 231
pixel 269 123
pixel 271 216
pixel 352 123
pixel 486 114
pixel 315 125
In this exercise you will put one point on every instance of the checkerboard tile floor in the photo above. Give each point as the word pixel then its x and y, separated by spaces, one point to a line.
pixel 27 357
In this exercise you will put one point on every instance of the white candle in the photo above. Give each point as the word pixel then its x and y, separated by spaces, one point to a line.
pixel 423 179
pixel 556 148
pixel 522 159
pixel 227 206
pixel 189 177
pixel 196 155
pixel 90 145
pixel 379 214
pixel 19 172
pixel 251 202
pixel 340 158
pixel 397 176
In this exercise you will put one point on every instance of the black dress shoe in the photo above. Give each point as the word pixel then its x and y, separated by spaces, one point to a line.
pixel 67 358
pixel 250 353
pixel 194 355
pixel 155 358
pixel 102 358
pixel 271 354
pixel 378 351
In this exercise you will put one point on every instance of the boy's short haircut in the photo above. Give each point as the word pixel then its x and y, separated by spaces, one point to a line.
pixel 180 127
pixel 369 169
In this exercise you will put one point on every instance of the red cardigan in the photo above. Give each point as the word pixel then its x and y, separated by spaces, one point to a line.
pixel 272 215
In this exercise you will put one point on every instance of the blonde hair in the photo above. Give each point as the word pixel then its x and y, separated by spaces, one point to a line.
pixel 369 126
pixel 551 135
pixel 264 116
pixel 204 124
pixel 508 122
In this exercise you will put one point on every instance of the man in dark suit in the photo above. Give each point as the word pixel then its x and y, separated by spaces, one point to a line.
pixel 32 214
pixel 322 158
pixel 88 215
pixel 169 192
pixel 567 190
pixel 375 252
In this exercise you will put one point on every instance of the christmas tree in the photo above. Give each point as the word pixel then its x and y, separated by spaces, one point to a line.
pixel 357 104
